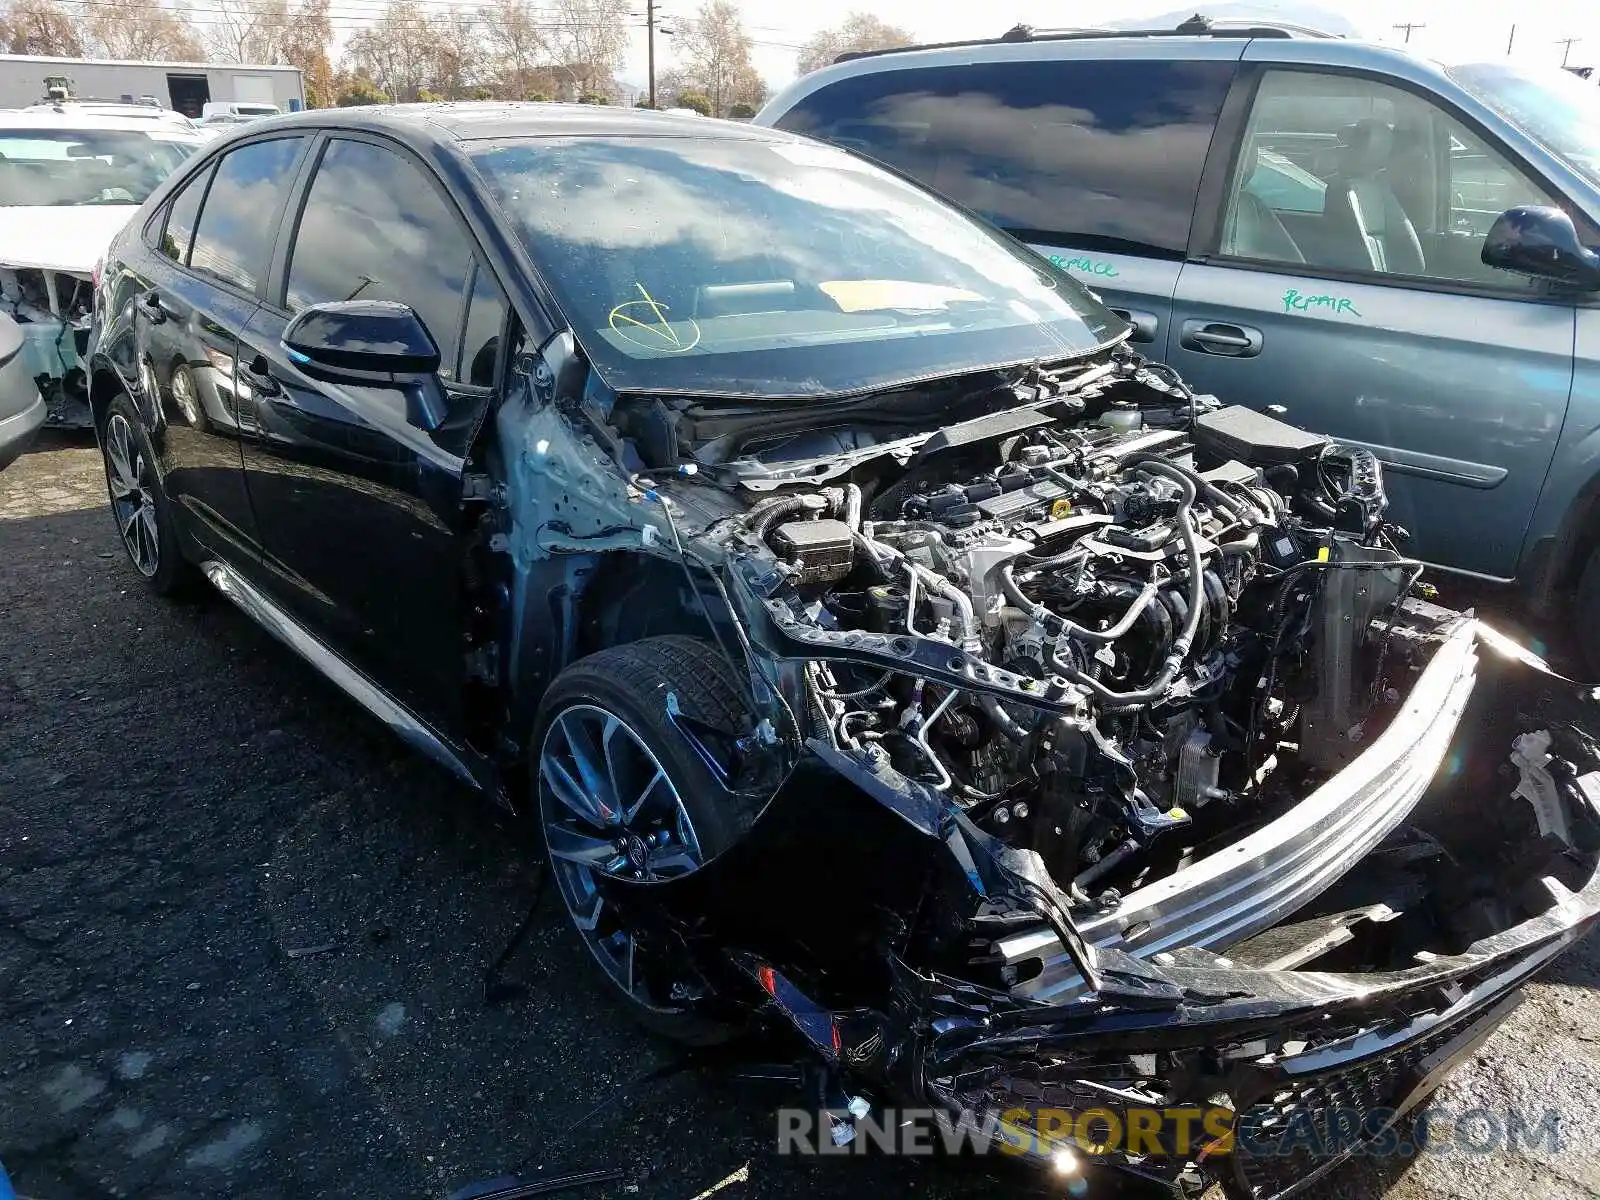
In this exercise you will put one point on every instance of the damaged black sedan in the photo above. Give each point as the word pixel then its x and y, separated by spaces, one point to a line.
pixel 888 653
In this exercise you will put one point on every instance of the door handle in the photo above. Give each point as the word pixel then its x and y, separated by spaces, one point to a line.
pixel 259 372
pixel 1218 337
pixel 153 307
pixel 1144 323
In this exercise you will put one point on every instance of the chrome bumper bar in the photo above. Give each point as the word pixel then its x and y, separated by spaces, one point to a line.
pixel 1257 882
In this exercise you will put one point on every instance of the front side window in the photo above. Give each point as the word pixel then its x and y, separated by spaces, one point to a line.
pixel 1345 173
pixel 86 166
pixel 756 268
pixel 375 228
pixel 233 239
pixel 1103 151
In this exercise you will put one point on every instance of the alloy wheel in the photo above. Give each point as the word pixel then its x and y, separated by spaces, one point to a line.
pixel 610 811
pixel 131 478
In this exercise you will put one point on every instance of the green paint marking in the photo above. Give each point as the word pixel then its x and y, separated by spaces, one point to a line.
pixel 1294 301
pixel 1089 266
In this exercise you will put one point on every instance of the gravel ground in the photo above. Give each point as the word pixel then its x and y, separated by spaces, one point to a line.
pixel 243 936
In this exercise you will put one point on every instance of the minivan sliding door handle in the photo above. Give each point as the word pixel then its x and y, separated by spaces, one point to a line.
pixel 1218 337
pixel 1144 324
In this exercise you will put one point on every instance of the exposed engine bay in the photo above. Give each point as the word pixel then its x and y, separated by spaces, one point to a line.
pixel 1139 589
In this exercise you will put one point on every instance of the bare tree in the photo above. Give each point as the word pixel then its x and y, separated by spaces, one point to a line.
pixel 714 58
pixel 586 41
pixel 144 31
pixel 244 31
pixel 859 31
pixel 511 32
pixel 40 27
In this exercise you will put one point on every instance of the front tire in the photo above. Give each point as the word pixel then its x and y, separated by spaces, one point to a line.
pixel 144 515
pixel 622 794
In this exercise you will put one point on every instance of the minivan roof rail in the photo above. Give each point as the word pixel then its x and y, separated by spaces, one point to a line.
pixel 1196 26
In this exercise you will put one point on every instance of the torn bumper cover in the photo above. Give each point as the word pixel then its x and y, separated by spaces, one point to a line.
pixel 1165 1024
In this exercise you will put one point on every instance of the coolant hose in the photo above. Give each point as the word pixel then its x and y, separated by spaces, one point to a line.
pixel 1062 627
pixel 770 516
pixel 1203 486
pixel 1184 642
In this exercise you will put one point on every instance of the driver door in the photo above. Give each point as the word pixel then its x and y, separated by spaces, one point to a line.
pixel 357 492
pixel 1343 280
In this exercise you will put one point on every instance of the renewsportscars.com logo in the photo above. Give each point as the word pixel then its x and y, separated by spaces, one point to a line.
pixel 1184 1132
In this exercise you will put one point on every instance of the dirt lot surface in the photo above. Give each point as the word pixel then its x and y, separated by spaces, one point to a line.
pixel 243 936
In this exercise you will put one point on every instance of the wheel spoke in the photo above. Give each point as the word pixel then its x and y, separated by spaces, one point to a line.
pixel 569 791
pixel 628 968
pixel 656 781
pixel 596 785
pixel 569 844
pixel 586 916
pixel 147 529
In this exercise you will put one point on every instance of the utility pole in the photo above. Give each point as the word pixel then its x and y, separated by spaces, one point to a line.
pixel 650 45
pixel 1510 40
pixel 1566 47
pixel 1408 26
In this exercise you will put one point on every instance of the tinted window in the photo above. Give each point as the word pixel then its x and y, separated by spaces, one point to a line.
pixel 480 346
pixel 375 227
pixel 752 267
pixel 1097 150
pixel 181 212
pixel 1343 172
pixel 234 238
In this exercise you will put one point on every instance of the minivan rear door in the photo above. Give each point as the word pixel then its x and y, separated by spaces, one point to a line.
pixel 1090 152
pixel 1340 276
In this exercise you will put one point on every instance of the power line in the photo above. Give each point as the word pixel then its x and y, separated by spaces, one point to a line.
pixel 1566 47
pixel 1408 26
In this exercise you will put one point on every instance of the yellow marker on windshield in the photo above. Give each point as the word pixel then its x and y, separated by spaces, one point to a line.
pixel 650 329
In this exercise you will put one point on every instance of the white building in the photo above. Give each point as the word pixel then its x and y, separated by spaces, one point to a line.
pixel 183 86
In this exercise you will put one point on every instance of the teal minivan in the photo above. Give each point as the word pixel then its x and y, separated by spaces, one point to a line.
pixel 1299 220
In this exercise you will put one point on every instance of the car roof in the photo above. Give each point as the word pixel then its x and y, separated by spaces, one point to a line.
pixel 71 118
pixel 1225 40
pixel 483 120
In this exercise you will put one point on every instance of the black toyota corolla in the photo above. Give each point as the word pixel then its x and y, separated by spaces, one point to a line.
pixel 889 655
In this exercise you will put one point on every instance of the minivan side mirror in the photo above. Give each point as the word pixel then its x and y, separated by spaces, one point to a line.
pixel 362 341
pixel 1543 242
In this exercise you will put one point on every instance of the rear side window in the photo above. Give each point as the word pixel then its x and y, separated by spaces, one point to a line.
pixel 233 239
pixel 181 213
pixel 375 228
pixel 1096 152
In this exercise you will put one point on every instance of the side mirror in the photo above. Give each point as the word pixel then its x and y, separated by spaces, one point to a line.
pixel 1542 242
pixel 362 341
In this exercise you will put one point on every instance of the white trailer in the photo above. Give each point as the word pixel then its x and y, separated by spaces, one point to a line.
pixel 186 87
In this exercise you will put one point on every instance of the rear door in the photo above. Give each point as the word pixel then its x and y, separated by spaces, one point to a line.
pixel 1340 277
pixel 213 244
pixel 358 489
pixel 1090 153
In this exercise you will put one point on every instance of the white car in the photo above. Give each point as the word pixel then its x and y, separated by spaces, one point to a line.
pixel 239 110
pixel 114 108
pixel 68 182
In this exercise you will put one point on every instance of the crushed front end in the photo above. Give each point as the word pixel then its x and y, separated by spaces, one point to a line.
pixel 1129 766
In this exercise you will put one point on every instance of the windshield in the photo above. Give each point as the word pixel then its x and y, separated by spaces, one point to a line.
pixel 771 269
pixel 1554 106
pixel 86 166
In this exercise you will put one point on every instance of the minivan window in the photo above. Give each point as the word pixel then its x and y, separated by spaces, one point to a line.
pixel 233 238
pixel 375 228
pixel 1104 153
pixel 739 266
pixel 1346 173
